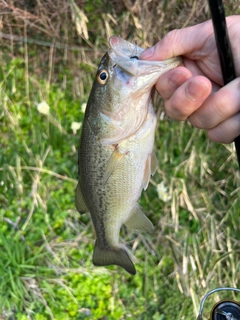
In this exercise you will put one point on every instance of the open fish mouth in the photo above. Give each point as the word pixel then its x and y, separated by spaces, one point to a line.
pixel 126 56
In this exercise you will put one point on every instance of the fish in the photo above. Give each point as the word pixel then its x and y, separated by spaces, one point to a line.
pixel 115 156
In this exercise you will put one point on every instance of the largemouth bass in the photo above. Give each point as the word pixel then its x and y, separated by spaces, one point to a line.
pixel 116 158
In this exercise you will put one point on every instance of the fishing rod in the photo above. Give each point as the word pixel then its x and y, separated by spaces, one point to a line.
pixel 224 309
pixel 224 50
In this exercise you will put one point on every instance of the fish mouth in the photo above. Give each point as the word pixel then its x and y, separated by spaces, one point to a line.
pixel 124 48
pixel 126 56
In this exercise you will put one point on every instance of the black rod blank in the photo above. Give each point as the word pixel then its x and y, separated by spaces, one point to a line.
pixel 224 50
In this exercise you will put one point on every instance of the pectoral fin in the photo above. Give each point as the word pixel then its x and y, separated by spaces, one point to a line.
pixel 147 173
pixel 112 163
pixel 154 163
pixel 79 201
pixel 138 220
pixel 150 169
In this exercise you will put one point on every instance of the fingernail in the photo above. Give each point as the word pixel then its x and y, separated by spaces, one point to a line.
pixel 195 90
pixel 147 53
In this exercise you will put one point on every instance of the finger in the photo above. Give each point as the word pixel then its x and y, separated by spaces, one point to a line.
pixel 188 98
pixel 226 131
pixel 218 107
pixel 175 44
pixel 171 80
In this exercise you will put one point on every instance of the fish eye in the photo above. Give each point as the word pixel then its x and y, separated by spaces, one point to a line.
pixel 102 76
pixel 134 57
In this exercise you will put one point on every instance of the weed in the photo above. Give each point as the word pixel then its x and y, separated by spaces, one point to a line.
pixel 51 50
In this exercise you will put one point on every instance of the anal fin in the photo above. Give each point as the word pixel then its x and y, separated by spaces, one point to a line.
pixel 138 220
pixel 79 201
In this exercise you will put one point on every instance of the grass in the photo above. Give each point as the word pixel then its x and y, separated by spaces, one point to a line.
pixel 46 247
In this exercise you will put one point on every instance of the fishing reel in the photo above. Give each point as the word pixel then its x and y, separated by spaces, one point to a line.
pixel 224 309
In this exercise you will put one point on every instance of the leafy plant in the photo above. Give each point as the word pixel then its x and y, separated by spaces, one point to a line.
pixel 46 247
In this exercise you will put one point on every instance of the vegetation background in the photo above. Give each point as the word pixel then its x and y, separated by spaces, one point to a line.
pixel 49 54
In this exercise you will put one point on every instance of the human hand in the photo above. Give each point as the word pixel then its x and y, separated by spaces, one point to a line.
pixel 195 90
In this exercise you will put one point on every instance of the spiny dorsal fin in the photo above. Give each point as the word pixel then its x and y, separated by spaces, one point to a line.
pixel 138 220
pixel 79 201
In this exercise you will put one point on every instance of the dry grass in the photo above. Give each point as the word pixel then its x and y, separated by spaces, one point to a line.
pixel 196 245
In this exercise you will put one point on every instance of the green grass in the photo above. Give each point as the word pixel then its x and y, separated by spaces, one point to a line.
pixel 46 246
pixel 46 269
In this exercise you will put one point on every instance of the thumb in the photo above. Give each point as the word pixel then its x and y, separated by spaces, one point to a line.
pixel 188 42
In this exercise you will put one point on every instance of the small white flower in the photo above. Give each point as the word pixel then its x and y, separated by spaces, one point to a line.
pixel 162 115
pixel 162 192
pixel 83 107
pixel 85 311
pixel 75 126
pixel 43 107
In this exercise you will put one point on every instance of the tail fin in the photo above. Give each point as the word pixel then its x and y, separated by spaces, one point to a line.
pixel 118 256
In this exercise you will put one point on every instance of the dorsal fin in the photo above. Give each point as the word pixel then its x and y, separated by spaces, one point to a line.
pixel 79 201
